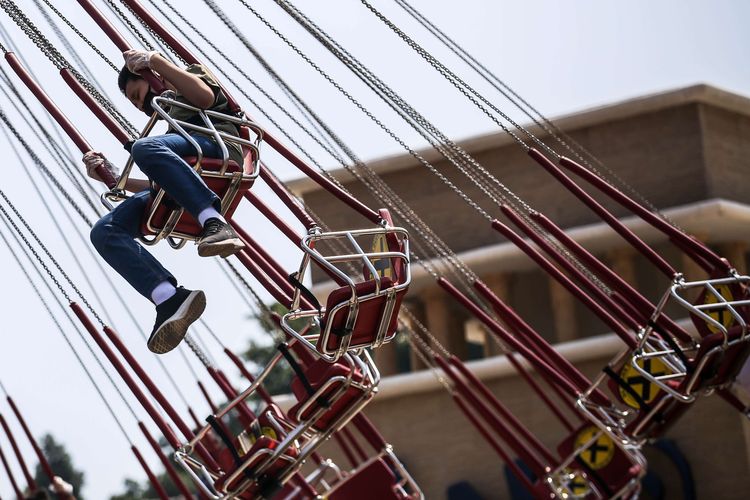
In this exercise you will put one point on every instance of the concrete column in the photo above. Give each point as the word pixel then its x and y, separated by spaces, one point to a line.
pixel 445 321
pixel 563 312
pixel 622 261
pixel 500 286
pixel 416 307
pixel 735 252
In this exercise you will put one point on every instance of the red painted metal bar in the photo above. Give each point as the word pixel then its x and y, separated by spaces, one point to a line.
pixel 515 469
pixel 12 479
pixel 214 408
pixel 689 250
pixel 171 472
pixel 43 462
pixel 104 117
pixel 264 280
pixel 196 420
pixel 353 443
pixel 156 393
pixel 637 243
pixel 500 427
pixel 369 431
pixel 120 41
pixel 322 181
pixel 158 488
pixel 550 269
pixel 268 265
pixel 245 413
pixel 285 228
pixel 288 231
pixel 137 392
pixel 698 247
pixel 630 294
pixel 542 347
pixel 598 294
pixel 249 376
pixel 728 396
pixel 346 450
pixel 524 350
pixel 283 194
pixel 12 440
pixel 81 143
pixel 494 403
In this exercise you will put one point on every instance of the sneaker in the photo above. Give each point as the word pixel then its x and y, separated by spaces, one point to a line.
pixel 218 238
pixel 173 317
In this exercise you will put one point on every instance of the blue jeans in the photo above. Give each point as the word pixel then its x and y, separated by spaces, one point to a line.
pixel 160 158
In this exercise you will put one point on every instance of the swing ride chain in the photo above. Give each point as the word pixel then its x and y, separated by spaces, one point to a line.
pixel 80 35
pixel 49 50
pixel 565 140
pixel 148 29
pixel 202 356
pixel 49 255
pixel 351 62
pixel 46 306
pixel 461 85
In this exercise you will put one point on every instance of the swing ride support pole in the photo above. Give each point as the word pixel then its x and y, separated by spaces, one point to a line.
pixel 104 117
pixel 637 243
pixel 168 466
pixel 120 368
pixel 269 214
pixel 550 269
pixel 246 373
pixel 473 382
pixel 158 488
pixel 268 265
pixel 17 452
pixel 43 462
pixel 506 434
pixel 153 390
pixel 513 342
pixel 207 397
pixel 12 479
pixel 264 280
pixel 81 143
pixel 226 387
pixel 269 139
pixel 598 294
pixel 697 247
pixel 283 194
pixel 542 347
pixel 492 441
pixel 614 280
pixel 120 42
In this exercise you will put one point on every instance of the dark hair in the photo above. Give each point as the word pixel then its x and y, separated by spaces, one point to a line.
pixel 125 76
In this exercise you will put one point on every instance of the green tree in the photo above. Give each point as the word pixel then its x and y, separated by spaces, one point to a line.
pixel 133 491
pixel 62 465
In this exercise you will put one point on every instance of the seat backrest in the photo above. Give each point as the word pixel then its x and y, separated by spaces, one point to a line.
pixel 374 481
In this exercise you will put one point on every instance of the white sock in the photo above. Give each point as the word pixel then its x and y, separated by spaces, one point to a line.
pixel 162 292
pixel 209 213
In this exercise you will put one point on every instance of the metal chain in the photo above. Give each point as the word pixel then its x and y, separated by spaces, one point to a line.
pixel 80 35
pixel 539 119
pixel 202 357
pixel 46 306
pixel 49 50
pixel 152 32
pixel 49 255
pixel 464 162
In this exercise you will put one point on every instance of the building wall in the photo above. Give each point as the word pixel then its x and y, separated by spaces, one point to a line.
pixel 677 150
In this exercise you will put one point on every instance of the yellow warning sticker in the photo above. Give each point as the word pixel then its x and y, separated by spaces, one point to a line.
pixel 599 452
pixel 722 316
pixel 643 386
pixel 575 485
pixel 382 266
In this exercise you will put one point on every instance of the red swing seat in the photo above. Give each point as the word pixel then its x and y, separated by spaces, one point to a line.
pixel 229 186
pixel 339 390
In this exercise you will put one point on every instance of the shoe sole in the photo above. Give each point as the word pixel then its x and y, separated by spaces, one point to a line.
pixel 174 329
pixel 223 248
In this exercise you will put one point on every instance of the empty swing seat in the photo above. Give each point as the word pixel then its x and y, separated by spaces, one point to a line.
pixel 377 315
pixel 372 481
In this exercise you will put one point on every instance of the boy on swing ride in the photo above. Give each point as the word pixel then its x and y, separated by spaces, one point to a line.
pixel 160 158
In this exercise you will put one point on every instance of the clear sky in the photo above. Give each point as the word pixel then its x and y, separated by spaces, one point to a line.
pixel 561 56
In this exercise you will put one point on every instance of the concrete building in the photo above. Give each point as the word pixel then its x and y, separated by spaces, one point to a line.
pixel 684 151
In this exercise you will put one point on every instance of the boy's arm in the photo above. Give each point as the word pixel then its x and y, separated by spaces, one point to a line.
pixel 191 86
